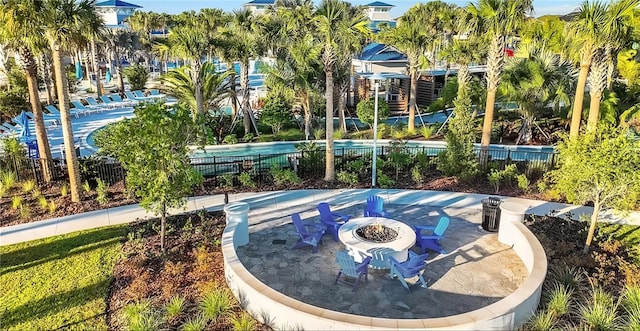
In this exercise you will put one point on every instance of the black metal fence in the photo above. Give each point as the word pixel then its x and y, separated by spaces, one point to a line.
pixel 307 164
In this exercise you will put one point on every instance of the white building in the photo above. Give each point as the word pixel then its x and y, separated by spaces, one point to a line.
pixel 114 12
pixel 258 7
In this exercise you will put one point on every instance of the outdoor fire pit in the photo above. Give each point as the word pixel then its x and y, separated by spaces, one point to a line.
pixel 377 233
pixel 377 237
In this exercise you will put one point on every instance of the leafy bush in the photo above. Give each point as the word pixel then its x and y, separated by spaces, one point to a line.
pixel 365 110
pixel 398 156
pixel 197 323
pixel 215 304
pixel 174 307
pixel 248 137
pixel 52 206
pixel 246 180
pixel 318 134
pixel 283 176
pixel 103 191
pixel 230 139
pixel 243 322
pixel 227 180
pixel 28 186
pixel 137 76
pixel 496 177
pixel 86 187
pixel 16 202
pixel 417 175
pixel 385 181
pixel 12 101
pixel 426 131
pixel 523 182
pixel 42 201
pixel 276 112
pixel 7 179
pixel 347 177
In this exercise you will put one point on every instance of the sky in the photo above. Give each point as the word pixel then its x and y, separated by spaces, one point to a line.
pixel 541 7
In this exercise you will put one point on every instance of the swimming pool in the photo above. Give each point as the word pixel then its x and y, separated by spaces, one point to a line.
pixel 515 153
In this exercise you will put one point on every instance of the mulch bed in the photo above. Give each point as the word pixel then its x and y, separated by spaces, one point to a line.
pixel 191 266
pixel 32 211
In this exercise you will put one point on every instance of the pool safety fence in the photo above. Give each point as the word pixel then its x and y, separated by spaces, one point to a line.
pixel 306 164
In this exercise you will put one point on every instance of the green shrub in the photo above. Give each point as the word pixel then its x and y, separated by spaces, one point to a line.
pixel 28 186
pixel 137 76
pixel 523 182
pixel 42 201
pixel 339 134
pixel 25 212
pixel 385 181
pixel 276 112
pixel 141 316
pixel 215 304
pixel 16 202
pixel 86 187
pixel 318 134
pixel 230 139
pixel 197 323
pixel 8 179
pixel 243 322
pixel 227 180
pixel 246 180
pixel 426 131
pixel 174 307
pixel 366 108
pixel 283 176
pixel 103 191
pixel 417 175
pixel 52 206
pixel 248 137
pixel 64 190
pixel 356 166
pixel 347 178
pixel 496 177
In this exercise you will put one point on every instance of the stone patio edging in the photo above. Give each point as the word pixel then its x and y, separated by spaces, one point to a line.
pixel 282 312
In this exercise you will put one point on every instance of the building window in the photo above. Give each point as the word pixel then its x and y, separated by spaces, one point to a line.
pixel 381 10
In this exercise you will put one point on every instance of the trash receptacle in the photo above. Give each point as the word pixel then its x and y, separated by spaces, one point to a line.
pixel 491 213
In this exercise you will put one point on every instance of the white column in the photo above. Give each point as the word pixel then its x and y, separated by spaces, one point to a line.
pixel 511 212
pixel 238 215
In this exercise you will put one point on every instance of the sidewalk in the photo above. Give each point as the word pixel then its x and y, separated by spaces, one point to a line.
pixel 284 199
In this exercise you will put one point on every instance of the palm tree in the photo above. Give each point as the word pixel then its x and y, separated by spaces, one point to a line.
pixel 335 30
pixel 587 29
pixel 121 43
pixel 615 31
pixel 240 44
pixel 499 19
pixel 411 38
pixel 534 78
pixel 19 32
pixel 180 84
pixel 61 20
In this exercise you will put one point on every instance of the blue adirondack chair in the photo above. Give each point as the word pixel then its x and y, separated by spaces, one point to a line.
pixel 311 237
pixel 375 207
pixel 333 221
pixel 431 241
pixel 351 269
pixel 410 268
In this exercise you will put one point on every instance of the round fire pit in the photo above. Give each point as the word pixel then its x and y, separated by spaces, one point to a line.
pixel 377 237
pixel 377 233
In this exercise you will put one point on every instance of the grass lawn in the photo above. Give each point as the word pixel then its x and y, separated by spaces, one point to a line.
pixel 59 281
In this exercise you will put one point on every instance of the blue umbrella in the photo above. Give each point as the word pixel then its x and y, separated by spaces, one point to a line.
pixel 107 76
pixel 78 70
pixel 25 134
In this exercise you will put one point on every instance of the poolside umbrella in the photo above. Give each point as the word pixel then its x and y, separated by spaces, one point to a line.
pixel 25 134
pixel 107 76
pixel 78 70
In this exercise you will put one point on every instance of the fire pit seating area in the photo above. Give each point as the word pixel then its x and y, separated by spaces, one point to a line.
pixel 375 241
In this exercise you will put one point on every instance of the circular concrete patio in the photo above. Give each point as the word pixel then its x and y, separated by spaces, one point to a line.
pixel 469 287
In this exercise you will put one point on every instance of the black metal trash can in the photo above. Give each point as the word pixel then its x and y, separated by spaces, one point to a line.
pixel 491 213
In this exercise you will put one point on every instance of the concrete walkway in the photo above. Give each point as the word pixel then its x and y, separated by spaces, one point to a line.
pixel 285 199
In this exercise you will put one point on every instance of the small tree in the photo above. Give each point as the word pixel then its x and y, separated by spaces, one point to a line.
pixel 366 110
pixel 276 112
pixel 152 148
pixel 137 76
pixel 602 167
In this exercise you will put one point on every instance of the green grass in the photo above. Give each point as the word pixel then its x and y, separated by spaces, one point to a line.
pixel 629 235
pixel 60 281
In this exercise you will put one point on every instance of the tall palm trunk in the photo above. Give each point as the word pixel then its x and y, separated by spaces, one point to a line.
pixel 96 68
pixel 330 171
pixel 31 73
pixel 342 104
pixel 120 75
pixel 307 115
pixel 232 83
pixel 576 114
pixel 46 78
pixel 495 60
pixel 597 83
pixel 413 92
pixel 244 86
pixel 67 132
pixel 197 85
